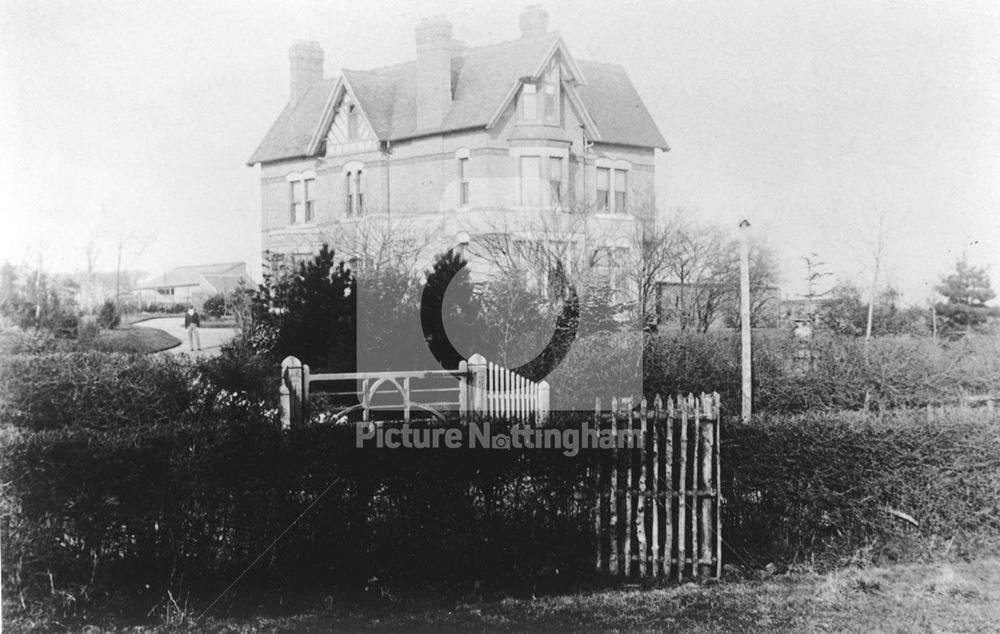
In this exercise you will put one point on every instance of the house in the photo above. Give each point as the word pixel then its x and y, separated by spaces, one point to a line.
pixel 512 147
pixel 193 284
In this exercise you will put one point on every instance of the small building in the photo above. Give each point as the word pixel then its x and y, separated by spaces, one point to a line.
pixel 193 284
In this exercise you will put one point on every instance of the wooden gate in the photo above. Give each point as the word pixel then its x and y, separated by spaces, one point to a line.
pixel 657 512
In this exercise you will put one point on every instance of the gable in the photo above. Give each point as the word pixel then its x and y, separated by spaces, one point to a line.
pixel 349 128
pixel 485 80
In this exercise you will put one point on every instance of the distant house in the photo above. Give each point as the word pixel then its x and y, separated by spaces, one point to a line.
pixel 193 284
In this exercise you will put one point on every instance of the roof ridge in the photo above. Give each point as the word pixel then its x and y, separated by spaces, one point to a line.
pixel 196 266
pixel 464 52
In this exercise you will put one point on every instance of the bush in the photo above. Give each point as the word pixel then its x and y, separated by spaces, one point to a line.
pixel 117 518
pixel 215 306
pixel 819 488
pixel 109 318
pixel 92 389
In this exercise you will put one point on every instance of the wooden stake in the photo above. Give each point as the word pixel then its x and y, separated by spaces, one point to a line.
pixel 745 317
pixel 682 487
pixel 652 490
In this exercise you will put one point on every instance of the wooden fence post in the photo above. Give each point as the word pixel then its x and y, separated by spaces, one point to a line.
pixel 291 392
pixel 708 484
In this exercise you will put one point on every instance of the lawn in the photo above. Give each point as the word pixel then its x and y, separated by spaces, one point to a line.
pixel 134 339
pixel 958 597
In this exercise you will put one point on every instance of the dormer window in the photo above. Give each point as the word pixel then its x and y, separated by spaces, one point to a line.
pixel 529 102
pixel 540 99
pixel 551 111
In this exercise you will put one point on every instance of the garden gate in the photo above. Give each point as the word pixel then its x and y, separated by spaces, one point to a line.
pixel 476 387
pixel 657 509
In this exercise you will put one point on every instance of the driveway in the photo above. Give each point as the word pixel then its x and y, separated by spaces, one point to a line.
pixel 211 338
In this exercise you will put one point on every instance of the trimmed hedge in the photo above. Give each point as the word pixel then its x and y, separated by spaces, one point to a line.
pixel 114 519
pixel 818 488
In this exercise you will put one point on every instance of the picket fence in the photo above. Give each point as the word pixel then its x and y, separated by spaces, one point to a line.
pixel 476 387
pixel 657 511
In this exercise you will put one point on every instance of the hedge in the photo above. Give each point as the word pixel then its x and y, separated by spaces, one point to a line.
pixel 821 488
pixel 116 519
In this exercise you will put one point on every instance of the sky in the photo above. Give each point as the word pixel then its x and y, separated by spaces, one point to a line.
pixel 128 123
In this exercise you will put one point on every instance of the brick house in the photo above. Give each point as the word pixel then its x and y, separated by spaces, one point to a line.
pixel 517 140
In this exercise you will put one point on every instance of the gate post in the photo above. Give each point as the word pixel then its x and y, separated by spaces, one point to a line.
pixel 292 391
pixel 477 384
pixel 543 401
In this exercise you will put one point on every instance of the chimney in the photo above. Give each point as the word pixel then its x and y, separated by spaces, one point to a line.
pixel 307 67
pixel 534 21
pixel 434 50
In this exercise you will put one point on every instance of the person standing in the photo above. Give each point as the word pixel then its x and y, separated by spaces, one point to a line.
pixel 192 321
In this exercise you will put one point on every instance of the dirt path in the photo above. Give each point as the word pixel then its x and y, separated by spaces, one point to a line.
pixel 211 338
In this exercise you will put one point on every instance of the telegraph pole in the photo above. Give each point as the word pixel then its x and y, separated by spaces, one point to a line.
pixel 745 316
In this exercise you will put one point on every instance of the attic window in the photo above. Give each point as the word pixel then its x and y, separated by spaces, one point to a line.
pixel 529 102
pixel 352 122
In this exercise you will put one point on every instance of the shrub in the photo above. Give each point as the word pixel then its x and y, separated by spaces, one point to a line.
pixel 215 306
pixel 820 487
pixel 117 518
pixel 91 389
pixel 109 318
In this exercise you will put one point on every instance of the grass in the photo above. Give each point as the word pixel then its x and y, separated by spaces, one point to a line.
pixel 959 597
pixel 135 339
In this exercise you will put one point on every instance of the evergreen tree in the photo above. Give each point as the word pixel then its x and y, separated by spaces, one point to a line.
pixel 966 290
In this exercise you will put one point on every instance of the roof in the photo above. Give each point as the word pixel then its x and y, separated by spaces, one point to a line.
pixel 289 136
pixel 483 79
pixel 223 277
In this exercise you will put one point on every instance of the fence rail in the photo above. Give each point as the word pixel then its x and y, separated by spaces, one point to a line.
pixel 476 387
pixel 657 508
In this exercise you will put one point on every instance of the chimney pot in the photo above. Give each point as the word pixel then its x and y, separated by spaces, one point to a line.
pixel 534 21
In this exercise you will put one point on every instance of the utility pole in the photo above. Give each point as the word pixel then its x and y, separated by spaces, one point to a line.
pixel 745 317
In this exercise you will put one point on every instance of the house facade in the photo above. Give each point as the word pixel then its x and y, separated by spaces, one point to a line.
pixel 516 143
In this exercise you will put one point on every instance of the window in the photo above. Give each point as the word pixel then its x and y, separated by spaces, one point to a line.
pixel 529 102
pixel 620 187
pixel 612 188
pixel 531 174
pixel 295 202
pixel 352 122
pixel 551 112
pixel 603 189
pixel 463 182
pixel 310 198
pixel 555 180
pixel 355 197
pixel 301 197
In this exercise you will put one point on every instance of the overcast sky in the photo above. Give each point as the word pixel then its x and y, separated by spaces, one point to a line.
pixel 134 119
